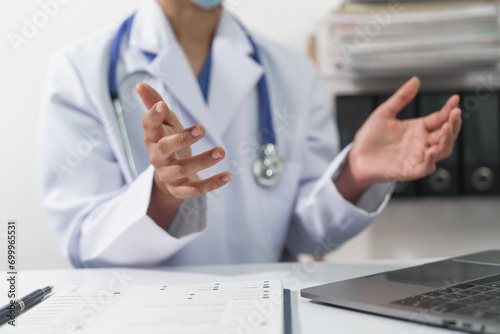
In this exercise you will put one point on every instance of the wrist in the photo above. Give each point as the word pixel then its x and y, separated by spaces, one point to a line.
pixel 160 191
pixel 357 171
pixel 163 205
pixel 349 184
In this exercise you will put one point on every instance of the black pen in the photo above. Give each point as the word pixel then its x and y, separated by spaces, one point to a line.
pixel 17 306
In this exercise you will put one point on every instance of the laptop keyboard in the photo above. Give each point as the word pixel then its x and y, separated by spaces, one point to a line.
pixel 478 299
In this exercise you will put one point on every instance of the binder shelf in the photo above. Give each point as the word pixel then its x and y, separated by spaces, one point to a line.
pixel 474 166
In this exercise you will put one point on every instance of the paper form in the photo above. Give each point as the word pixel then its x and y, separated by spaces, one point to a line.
pixel 219 308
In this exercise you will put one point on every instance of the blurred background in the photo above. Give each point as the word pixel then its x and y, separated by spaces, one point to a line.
pixel 413 226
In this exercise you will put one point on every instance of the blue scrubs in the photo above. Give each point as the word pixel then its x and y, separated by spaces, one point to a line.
pixel 204 78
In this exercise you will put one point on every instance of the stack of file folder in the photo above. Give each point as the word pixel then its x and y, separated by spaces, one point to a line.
pixel 386 38
pixel 474 166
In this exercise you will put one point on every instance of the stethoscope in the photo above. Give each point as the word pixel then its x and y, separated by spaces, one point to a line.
pixel 269 166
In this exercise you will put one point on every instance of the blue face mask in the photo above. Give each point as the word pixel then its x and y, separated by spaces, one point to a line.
pixel 207 4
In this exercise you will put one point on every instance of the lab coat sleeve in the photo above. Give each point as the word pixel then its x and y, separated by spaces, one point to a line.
pixel 98 218
pixel 323 218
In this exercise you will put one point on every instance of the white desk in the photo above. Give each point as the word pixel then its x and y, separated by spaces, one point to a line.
pixel 310 317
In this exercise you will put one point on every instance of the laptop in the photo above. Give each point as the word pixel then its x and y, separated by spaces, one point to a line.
pixel 461 293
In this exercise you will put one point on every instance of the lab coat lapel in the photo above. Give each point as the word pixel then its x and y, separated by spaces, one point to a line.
pixel 172 67
pixel 234 73
pixel 151 32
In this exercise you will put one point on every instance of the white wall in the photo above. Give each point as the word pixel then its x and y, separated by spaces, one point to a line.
pixel 21 80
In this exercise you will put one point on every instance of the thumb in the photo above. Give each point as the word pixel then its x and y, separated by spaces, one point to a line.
pixel 400 99
pixel 148 94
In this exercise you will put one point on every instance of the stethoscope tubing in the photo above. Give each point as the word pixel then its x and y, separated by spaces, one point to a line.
pixel 267 169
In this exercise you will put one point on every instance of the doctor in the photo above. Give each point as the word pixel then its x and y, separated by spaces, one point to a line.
pixel 187 167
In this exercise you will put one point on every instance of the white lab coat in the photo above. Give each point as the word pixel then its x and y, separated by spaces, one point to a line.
pixel 98 212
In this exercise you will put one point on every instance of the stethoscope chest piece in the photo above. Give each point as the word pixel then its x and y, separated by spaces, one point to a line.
pixel 269 168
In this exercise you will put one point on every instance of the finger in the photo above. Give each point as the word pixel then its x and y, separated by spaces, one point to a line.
pixel 400 99
pixel 148 94
pixel 151 98
pixel 195 189
pixel 424 167
pixel 456 122
pixel 435 120
pixel 152 122
pixel 170 118
pixel 170 144
pixel 437 137
pixel 445 146
pixel 181 169
pixel 429 165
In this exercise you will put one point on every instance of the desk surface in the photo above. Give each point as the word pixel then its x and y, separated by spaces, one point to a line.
pixel 309 317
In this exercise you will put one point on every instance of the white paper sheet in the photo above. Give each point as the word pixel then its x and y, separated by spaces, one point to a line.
pixel 219 307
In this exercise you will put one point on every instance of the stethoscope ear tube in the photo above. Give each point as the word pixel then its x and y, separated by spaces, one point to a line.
pixel 113 91
pixel 125 139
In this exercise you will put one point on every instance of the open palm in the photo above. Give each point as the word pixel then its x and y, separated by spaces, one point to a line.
pixel 386 148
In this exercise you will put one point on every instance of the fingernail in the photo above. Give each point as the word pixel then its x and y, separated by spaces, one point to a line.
pixel 226 178
pixel 196 132
pixel 216 155
pixel 159 108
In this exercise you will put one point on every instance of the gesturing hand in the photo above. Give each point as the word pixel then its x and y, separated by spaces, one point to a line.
pixel 169 149
pixel 386 148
